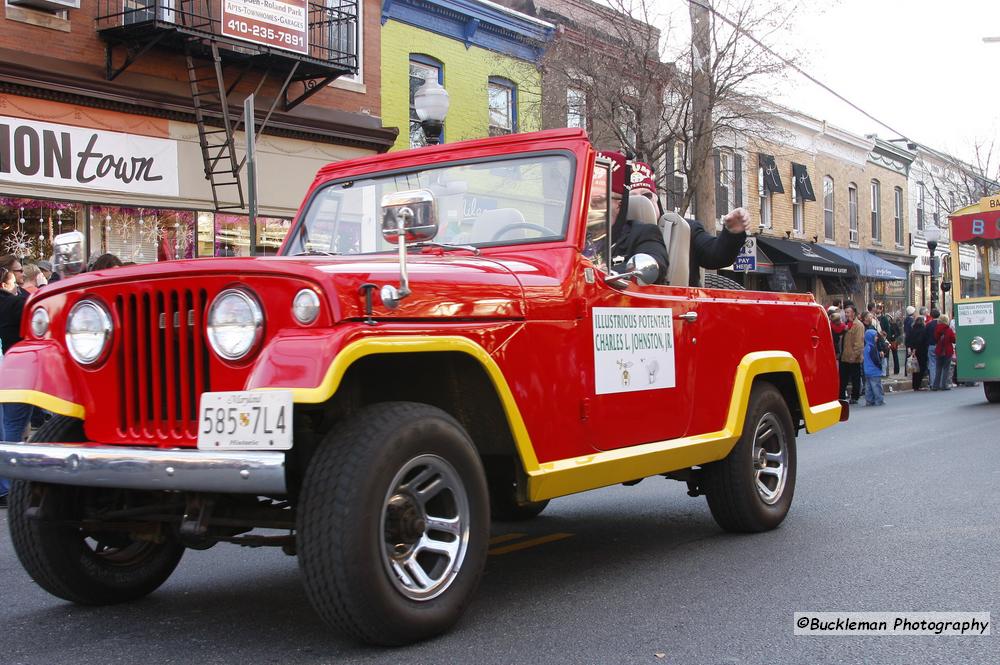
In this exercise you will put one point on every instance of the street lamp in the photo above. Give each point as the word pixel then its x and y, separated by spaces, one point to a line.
pixel 932 235
pixel 431 104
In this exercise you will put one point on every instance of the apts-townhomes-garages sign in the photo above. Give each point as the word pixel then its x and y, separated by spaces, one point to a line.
pixel 42 153
pixel 281 24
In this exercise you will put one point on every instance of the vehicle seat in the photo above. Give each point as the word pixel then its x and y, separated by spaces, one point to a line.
pixel 641 210
pixel 677 238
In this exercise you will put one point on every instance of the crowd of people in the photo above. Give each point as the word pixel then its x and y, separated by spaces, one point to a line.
pixel 18 280
pixel 868 343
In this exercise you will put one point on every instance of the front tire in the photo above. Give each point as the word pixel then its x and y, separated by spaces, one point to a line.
pixel 751 489
pixel 393 524
pixel 84 567
pixel 992 390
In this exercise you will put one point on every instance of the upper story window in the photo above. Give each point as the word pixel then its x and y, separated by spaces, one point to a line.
pixel 876 211
pixel 898 215
pixel 503 106
pixel 576 107
pixel 422 68
pixel 345 36
pixel 852 211
pixel 921 193
pixel 937 207
pixel 627 126
pixel 828 219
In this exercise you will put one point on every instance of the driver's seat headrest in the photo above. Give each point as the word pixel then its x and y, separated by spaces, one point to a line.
pixel 641 209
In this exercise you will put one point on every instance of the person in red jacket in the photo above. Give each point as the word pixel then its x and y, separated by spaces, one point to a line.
pixel 944 340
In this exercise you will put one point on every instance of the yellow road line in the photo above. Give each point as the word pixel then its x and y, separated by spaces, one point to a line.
pixel 529 543
pixel 496 540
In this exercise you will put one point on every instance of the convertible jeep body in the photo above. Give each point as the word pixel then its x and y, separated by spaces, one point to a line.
pixel 440 342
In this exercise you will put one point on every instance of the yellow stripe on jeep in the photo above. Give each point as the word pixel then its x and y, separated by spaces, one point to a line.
pixel 611 467
pixel 44 401
pixel 568 476
pixel 409 344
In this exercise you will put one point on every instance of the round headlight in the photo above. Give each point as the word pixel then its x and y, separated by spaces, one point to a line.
pixel 39 322
pixel 235 324
pixel 305 306
pixel 978 344
pixel 88 331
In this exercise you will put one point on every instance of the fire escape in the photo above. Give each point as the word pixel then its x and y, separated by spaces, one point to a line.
pixel 287 49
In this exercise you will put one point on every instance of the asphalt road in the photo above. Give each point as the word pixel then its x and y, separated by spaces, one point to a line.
pixel 895 510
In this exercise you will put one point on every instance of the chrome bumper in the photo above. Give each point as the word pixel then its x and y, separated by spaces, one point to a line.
pixel 236 472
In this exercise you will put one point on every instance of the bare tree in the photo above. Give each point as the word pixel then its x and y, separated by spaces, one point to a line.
pixel 609 67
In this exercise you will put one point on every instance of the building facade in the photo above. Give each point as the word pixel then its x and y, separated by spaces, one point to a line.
pixel 483 54
pixel 829 209
pixel 112 117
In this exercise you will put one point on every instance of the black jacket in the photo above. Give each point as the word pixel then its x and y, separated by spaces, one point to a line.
pixel 638 238
pixel 11 310
pixel 708 251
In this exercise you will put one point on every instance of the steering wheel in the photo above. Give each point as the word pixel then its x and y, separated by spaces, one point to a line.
pixel 520 225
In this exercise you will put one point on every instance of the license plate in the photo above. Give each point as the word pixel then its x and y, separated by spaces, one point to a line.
pixel 245 420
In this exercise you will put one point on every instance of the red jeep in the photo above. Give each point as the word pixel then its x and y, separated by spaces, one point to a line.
pixel 440 341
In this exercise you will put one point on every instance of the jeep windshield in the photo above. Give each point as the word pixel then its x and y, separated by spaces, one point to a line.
pixel 481 203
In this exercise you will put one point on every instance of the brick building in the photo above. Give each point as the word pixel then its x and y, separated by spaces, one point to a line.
pixel 112 113
pixel 830 211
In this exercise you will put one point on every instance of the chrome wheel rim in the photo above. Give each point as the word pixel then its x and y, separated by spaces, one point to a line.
pixel 424 528
pixel 770 459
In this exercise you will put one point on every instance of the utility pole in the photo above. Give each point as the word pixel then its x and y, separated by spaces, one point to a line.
pixel 702 166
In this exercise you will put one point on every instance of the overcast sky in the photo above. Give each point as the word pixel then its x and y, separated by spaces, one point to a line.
pixel 919 66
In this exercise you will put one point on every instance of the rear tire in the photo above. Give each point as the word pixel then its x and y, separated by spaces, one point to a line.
pixel 751 489
pixel 393 524
pixel 992 390
pixel 84 567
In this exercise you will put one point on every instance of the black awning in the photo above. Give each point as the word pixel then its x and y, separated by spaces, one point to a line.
pixel 803 185
pixel 807 258
pixel 770 179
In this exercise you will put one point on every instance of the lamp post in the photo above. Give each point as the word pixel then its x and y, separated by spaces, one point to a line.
pixel 431 104
pixel 932 235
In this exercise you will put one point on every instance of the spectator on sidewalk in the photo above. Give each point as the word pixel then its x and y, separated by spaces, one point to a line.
pixel 916 342
pixel 11 308
pixel 932 325
pixel 872 365
pixel 851 356
pixel 33 278
pixel 944 348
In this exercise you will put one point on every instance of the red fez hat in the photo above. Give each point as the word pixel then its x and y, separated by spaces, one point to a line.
pixel 617 170
pixel 642 177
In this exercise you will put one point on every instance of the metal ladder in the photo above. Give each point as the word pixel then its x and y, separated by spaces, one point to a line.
pixel 218 144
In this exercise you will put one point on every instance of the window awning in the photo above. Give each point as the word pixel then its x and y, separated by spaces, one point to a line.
pixel 802 183
pixel 807 258
pixel 770 179
pixel 869 265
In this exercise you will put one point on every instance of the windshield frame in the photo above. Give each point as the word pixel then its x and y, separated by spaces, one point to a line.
pixel 500 157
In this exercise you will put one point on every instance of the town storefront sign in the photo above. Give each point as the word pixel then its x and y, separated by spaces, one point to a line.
pixel 42 153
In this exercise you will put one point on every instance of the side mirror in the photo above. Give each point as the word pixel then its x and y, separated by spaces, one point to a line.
pixel 68 251
pixel 642 267
pixel 411 214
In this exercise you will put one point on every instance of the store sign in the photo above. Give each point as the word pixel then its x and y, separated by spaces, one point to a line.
pixel 42 153
pixel 278 23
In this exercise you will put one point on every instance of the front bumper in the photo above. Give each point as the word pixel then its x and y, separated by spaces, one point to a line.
pixel 192 470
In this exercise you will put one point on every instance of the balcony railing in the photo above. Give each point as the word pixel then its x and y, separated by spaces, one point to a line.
pixel 324 33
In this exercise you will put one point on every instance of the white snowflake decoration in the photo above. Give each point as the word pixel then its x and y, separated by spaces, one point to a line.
pixel 19 244
pixel 123 227
pixel 151 232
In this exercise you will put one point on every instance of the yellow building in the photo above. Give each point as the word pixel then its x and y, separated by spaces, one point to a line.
pixel 483 54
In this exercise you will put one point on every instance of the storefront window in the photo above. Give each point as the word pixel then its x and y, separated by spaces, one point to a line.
pixel 141 235
pixel 232 235
pixel 27 226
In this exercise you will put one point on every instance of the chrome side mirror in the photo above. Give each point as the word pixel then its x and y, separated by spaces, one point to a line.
pixel 642 267
pixel 68 251
pixel 410 215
